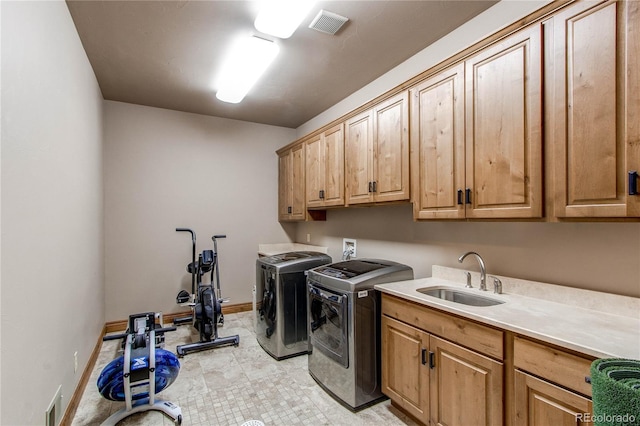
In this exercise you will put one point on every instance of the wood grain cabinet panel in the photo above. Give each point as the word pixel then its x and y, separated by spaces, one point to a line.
pixel 325 169
pixel 433 379
pixel 437 145
pixel 504 127
pixel 596 104
pixel 377 153
pixel 466 387
pixel 476 134
pixel 540 403
pixel 291 184
pixel 405 378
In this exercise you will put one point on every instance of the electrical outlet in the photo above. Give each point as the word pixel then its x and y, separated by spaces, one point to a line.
pixel 75 361
pixel 348 248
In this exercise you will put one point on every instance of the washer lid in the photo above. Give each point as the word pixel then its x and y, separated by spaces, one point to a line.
pixel 293 255
pixel 350 268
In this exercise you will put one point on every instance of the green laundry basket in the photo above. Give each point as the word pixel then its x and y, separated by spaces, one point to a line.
pixel 616 392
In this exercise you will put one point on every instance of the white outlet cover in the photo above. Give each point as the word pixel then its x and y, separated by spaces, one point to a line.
pixel 349 242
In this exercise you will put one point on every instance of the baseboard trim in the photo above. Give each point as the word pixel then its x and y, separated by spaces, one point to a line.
pixel 74 403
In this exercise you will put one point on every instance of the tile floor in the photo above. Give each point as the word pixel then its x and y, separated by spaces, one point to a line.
pixel 232 385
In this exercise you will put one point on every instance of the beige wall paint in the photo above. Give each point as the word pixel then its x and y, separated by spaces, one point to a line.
pixel 594 256
pixel 166 169
pixel 52 234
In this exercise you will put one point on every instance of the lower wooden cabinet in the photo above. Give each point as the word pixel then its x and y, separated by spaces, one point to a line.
pixel 446 370
pixel 437 381
pixel 550 385
pixel 538 403
pixel 405 378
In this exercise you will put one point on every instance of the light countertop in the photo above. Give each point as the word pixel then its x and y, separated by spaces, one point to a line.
pixel 599 333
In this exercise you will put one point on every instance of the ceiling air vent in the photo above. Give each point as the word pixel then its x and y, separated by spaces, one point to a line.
pixel 328 22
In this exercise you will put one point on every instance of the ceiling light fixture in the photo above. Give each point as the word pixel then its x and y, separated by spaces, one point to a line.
pixel 280 18
pixel 248 60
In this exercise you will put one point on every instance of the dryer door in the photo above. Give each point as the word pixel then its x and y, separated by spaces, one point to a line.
pixel 328 322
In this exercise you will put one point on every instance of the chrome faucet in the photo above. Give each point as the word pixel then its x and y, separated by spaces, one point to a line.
pixel 483 270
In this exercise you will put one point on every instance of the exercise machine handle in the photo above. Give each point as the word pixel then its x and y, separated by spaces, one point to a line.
pixel 193 256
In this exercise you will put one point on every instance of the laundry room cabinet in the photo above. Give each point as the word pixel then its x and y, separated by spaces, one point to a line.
pixel 594 69
pixel 550 385
pixel 291 184
pixel 441 369
pixel 476 134
pixel 377 153
pixel 325 168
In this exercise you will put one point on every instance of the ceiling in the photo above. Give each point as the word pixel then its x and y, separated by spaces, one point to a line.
pixel 166 54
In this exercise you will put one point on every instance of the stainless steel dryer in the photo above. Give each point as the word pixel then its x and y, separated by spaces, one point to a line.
pixel 344 327
pixel 281 305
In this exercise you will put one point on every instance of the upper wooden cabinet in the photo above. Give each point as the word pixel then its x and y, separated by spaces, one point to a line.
pixel 476 134
pixel 595 108
pixel 377 153
pixel 291 184
pixel 325 168
pixel 437 145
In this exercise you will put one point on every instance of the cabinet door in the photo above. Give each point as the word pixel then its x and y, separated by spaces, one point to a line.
pixel 298 209
pixel 358 158
pixel 539 403
pixel 314 171
pixel 391 149
pixel 437 145
pixel 596 75
pixel 284 186
pixel 405 377
pixel 503 128
pixel 333 189
pixel 466 387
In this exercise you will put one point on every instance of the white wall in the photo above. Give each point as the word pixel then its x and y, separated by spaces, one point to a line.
pixel 52 227
pixel 166 169
pixel 599 256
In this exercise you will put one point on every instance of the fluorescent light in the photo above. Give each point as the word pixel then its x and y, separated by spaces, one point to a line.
pixel 248 60
pixel 280 18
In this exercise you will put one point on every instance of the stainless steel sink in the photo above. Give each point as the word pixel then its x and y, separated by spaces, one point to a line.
pixel 463 297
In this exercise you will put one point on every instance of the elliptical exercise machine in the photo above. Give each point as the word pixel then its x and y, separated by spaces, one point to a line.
pixel 205 299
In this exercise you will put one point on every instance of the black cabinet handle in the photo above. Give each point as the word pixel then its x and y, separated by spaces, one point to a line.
pixel 321 194
pixel 424 357
pixel 467 195
pixel 587 379
pixel 432 360
pixel 375 186
pixel 459 196
pixel 289 209
pixel 370 186
pixel 633 182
